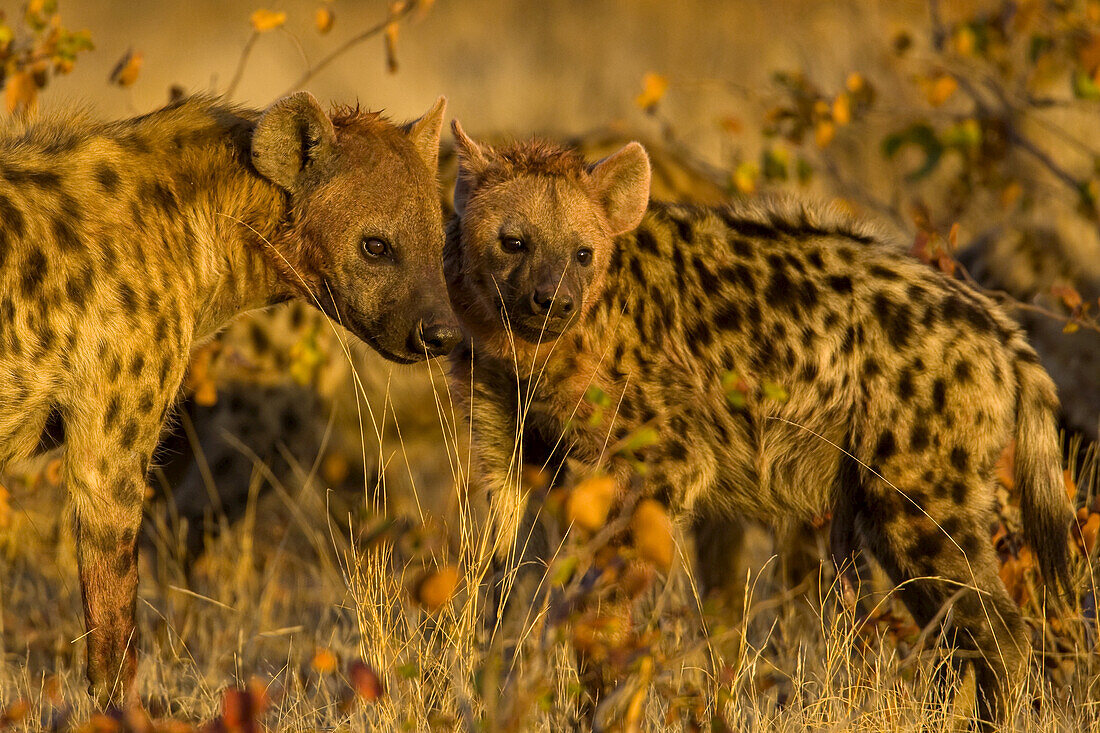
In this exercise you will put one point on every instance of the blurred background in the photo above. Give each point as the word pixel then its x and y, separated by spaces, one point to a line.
pixel 971 128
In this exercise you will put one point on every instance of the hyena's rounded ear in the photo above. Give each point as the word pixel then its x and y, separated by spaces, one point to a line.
pixel 293 134
pixel 621 183
pixel 426 131
pixel 472 159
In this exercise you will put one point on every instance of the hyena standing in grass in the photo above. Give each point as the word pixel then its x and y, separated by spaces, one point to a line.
pixel 904 385
pixel 123 244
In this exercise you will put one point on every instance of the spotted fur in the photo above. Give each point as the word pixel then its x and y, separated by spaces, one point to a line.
pixel 903 386
pixel 123 244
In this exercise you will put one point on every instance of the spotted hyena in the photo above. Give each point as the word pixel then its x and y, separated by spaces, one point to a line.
pixel 903 386
pixel 285 391
pixel 123 244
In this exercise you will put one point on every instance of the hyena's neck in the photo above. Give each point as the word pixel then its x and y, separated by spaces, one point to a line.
pixel 236 225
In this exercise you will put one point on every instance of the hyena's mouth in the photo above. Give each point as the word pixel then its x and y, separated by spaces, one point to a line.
pixel 540 329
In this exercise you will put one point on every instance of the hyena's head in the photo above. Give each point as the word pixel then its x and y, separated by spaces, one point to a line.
pixel 536 228
pixel 366 239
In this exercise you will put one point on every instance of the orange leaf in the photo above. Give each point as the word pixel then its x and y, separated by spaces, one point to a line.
pixel 323 662
pixel 590 502
pixel 267 20
pixel 654 86
pixel 21 92
pixel 824 132
pixel 436 587
pixel 652 532
pixel 939 89
pixel 324 18
pixel 1068 295
pixel 5 508
pixel 842 109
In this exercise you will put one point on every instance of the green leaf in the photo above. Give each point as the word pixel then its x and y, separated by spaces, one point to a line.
pixel 773 391
pixel 597 396
pixel 924 137
pixel 1084 86
pixel 804 170
pixel 562 570
pixel 409 670
pixel 640 438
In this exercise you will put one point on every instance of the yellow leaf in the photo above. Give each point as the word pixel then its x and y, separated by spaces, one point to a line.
pixel 939 89
pixel 842 109
pixel 590 502
pixel 654 86
pixel 21 93
pixel 127 69
pixel 965 41
pixel 855 82
pixel 267 20
pixel 744 177
pixel 324 19
pixel 1011 194
pixel 1071 327
pixel 824 132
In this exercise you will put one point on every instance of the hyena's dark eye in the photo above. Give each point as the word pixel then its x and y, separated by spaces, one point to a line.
pixel 375 247
pixel 512 244
pixel 584 256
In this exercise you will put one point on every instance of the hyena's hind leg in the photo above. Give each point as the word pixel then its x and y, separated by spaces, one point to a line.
pixel 107 455
pixel 938 551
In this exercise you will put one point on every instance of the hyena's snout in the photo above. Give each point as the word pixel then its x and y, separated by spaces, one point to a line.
pixel 433 337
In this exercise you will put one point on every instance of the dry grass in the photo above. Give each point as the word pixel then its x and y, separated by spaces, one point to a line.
pixel 288 598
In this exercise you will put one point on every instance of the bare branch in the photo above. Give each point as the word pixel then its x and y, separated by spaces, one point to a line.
pixel 393 17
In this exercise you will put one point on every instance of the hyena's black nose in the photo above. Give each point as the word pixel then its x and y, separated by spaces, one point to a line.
pixel 435 339
pixel 544 302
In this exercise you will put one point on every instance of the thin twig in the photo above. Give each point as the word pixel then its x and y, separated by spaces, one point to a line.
pixel 241 63
pixel 351 43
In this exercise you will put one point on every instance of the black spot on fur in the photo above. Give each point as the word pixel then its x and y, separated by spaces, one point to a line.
pixel 111 415
pixel 840 283
pixel 955 308
pixel 929 543
pixel 706 278
pixel 918 438
pixel 728 317
pixel 906 390
pixel 962 371
pixel 107 177
pixel 939 396
pixel 959 491
pixel 647 242
pixel 43 179
pixel 814 258
pixel 886 447
pixel 66 235
pixel 959 458
pixel 34 272
pixel 895 319
pixel 883 272
pixel 742 248
pixel 129 434
pixel 11 218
